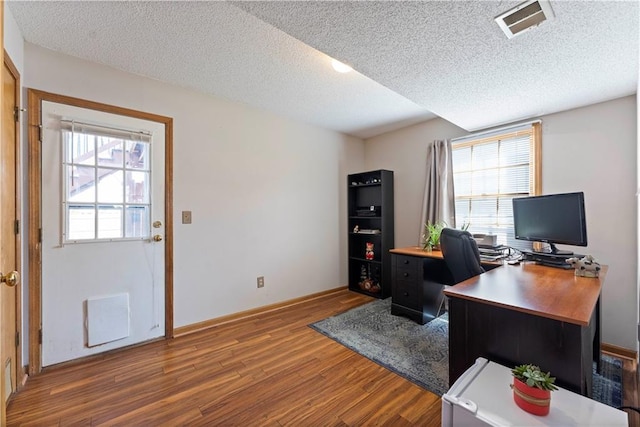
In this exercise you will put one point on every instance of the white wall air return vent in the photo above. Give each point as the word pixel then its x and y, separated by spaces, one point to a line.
pixel 524 17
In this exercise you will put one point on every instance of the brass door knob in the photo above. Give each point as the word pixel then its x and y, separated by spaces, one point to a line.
pixel 11 279
pixel 157 238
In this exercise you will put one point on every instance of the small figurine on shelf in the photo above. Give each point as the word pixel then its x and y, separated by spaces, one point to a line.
pixel 369 253
pixel 375 279
pixel 366 282
pixel 356 229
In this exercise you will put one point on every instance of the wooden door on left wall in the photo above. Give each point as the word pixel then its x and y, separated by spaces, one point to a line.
pixel 10 356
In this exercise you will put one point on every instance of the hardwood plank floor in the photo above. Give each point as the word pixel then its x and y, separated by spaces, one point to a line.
pixel 267 370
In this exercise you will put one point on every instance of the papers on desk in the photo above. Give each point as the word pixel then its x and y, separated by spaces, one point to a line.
pixel 492 253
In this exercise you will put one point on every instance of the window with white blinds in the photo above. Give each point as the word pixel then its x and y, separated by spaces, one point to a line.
pixel 488 171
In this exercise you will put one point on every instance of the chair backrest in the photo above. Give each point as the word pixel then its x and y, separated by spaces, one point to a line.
pixel 460 253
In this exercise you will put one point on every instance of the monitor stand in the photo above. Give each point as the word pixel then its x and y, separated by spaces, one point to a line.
pixel 555 258
pixel 557 251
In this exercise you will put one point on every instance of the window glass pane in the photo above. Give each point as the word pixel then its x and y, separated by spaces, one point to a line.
pixel 110 189
pixel 110 152
pixel 462 184
pixel 461 159
pixel 81 184
pixel 514 179
pixel 502 234
pixel 137 187
pixel 109 222
pixel 485 182
pixel 81 222
pixel 485 156
pixel 80 148
pixel 484 211
pixel 514 151
pixel 136 221
pixel 137 155
pixel 505 212
pixel 462 212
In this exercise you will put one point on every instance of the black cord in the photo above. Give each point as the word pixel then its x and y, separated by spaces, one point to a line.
pixel 633 408
pixel 513 254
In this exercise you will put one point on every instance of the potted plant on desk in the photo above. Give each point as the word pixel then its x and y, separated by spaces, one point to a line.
pixel 431 235
pixel 532 389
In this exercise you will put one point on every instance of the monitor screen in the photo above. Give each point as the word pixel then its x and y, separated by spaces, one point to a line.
pixel 554 218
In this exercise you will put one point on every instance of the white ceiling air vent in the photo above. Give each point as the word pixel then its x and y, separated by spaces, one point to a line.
pixel 524 17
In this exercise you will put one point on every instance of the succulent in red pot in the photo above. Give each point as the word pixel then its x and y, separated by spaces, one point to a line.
pixel 532 389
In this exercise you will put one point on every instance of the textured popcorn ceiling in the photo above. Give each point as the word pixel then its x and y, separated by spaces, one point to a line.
pixel 414 59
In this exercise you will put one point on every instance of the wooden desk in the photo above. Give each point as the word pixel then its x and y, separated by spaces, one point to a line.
pixel 528 314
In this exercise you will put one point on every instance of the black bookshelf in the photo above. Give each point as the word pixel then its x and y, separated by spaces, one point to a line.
pixel 370 198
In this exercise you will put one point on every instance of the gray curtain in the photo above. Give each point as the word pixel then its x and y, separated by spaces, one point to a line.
pixel 439 202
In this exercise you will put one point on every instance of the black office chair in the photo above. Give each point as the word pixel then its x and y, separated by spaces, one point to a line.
pixel 460 253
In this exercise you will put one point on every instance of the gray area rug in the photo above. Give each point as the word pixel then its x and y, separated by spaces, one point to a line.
pixel 607 386
pixel 420 353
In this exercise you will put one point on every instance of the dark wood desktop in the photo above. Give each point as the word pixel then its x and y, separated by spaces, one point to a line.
pixel 512 315
pixel 528 314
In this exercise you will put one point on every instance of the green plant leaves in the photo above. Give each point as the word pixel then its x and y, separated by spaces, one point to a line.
pixel 534 377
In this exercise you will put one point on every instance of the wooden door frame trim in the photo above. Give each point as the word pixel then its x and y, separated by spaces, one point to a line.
pixel 19 368
pixel 35 98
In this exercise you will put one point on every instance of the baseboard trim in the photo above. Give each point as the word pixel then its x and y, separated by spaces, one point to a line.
pixel 207 324
pixel 619 351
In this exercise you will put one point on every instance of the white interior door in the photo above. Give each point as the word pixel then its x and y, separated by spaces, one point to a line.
pixel 102 224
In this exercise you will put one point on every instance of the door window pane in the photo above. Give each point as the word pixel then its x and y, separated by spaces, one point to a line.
pixel 81 183
pixel 109 222
pixel 110 188
pixel 81 222
pixel 136 221
pixel 110 152
pixel 80 148
pixel 137 187
pixel 137 155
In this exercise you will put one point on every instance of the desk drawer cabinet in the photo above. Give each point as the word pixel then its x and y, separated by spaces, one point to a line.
pixel 407 282
pixel 407 289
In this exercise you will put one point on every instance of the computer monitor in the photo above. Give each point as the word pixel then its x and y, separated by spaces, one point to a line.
pixel 553 218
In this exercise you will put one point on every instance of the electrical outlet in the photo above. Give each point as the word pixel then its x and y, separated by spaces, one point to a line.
pixel 261 282
pixel 186 217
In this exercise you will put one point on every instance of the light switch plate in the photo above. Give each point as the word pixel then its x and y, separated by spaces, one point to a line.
pixel 186 217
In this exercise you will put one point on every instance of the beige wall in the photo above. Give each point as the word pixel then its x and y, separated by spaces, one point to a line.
pixel 404 152
pixel 591 149
pixel 268 195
